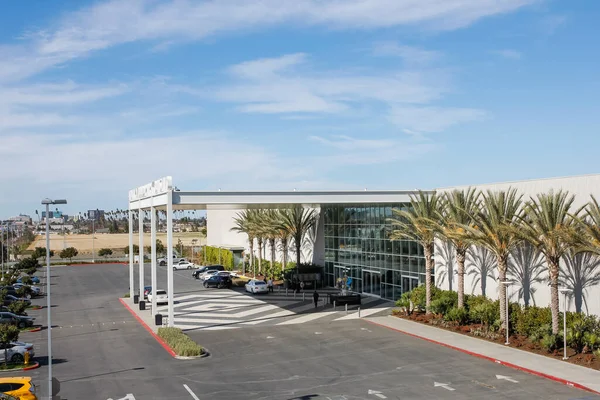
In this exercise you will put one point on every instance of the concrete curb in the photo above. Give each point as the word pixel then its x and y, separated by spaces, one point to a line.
pixel 35 365
pixel 158 339
pixel 203 355
pixel 504 363
pixel 34 329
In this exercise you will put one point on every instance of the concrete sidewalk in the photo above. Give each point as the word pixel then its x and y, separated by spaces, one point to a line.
pixel 567 373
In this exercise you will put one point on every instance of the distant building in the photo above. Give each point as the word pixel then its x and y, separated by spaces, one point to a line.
pixel 21 218
pixel 96 215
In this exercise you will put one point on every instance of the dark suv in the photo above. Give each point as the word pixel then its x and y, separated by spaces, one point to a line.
pixel 196 274
pixel 218 281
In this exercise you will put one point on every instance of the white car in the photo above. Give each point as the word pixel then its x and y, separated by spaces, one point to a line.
pixel 161 297
pixel 256 286
pixel 183 265
pixel 15 351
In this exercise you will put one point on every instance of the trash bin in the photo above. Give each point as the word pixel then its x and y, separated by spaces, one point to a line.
pixel 136 298
pixel 142 305
pixel 158 319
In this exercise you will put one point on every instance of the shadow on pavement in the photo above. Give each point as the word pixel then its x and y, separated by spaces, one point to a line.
pixel 44 361
pixel 104 374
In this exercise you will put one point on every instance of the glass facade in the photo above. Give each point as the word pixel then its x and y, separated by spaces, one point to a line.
pixel 357 245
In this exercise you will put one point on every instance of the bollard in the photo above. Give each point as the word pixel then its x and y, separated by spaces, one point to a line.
pixel 358 312
pixel 294 294
pixel 334 305
pixel 346 308
pixel 286 291
pixel 303 296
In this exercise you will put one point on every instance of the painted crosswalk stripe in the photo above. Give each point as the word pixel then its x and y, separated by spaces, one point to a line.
pixel 363 313
pixel 280 314
pixel 307 318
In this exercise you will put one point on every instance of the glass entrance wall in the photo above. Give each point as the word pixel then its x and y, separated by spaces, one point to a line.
pixel 357 238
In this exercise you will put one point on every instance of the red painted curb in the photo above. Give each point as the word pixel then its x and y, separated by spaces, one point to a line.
pixel 34 366
pixel 158 339
pixel 504 363
pixel 34 330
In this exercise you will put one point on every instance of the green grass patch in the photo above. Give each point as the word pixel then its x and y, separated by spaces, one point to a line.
pixel 11 366
pixel 240 281
pixel 126 295
pixel 180 342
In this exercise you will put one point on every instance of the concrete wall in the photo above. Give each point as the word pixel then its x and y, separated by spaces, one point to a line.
pixel 528 269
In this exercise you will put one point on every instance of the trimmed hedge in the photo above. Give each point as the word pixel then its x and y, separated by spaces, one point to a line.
pixel 180 342
pixel 212 257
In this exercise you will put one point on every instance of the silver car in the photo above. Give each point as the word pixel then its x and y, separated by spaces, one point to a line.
pixel 15 351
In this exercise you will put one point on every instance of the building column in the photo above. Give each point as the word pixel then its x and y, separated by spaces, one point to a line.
pixel 141 253
pixel 171 310
pixel 153 221
pixel 131 278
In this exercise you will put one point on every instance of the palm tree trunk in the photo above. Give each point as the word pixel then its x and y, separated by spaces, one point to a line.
pixel 502 264
pixel 284 248
pixel 460 261
pixel 260 246
pixel 553 267
pixel 272 245
pixel 428 249
pixel 251 253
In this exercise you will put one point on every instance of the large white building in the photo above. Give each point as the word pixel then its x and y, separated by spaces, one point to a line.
pixel 350 238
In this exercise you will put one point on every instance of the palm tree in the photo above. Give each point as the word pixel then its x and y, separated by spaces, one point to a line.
pixel 297 221
pixel 496 229
pixel 271 229
pixel 243 224
pixel 590 224
pixel 526 265
pixel 284 238
pixel 481 263
pixel 550 227
pixel 458 210
pixel 419 223
pixel 582 271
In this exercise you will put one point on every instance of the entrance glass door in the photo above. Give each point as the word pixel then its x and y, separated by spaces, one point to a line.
pixel 372 282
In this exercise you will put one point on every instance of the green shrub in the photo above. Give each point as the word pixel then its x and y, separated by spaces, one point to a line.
pixel 18 307
pixel 551 342
pixel 591 340
pixel 444 301
pixel 26 280
pixel 531 318
pixel 212 257
pixel 27 263
pixel 538 333
pixel 179 342
pixel 31 271
pixel 404 302
pixel 577 329
pixel 458 315
pixel 485 312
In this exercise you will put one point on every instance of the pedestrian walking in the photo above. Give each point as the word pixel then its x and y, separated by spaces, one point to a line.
pixel 316 298
pixel 302 286
pixel 270 284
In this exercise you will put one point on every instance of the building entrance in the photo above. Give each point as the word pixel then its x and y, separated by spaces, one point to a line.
pixel 371 282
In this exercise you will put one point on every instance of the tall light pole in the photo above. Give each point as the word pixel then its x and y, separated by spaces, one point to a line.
pixel 565 291
pixel 47 203
pixel 506 322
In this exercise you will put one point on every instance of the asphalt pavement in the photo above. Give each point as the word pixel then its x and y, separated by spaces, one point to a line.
pixel 101 352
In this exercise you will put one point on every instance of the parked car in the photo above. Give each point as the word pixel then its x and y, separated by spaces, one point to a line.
pixel 21 321
pixel 147 290
pixel 34 279
pixel 161 297
pixel 183 265
pixel 9 298
pixel 164 261
pixel 35 290
pixel 20 387
pixel 218 281
pixel 15 351
pixel 256 286
pixel 9 290
pixel 208 268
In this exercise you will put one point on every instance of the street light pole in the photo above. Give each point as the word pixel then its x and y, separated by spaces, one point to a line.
pixel 47 203
pixel 506 321
pixel 565 292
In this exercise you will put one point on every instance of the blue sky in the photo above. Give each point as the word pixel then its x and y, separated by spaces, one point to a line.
pixel 99 97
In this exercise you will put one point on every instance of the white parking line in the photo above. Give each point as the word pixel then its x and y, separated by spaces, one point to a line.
pixel 190 392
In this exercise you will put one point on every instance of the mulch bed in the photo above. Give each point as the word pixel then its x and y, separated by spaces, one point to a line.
pixel 516 341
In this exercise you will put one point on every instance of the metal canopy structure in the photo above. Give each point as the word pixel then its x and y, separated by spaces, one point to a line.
pixel 161 195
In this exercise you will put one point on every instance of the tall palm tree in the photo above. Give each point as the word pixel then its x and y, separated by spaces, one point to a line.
pixel 590 224
pixel 582 271
pixel 243 224
pixel 283 236
pixel 298 221
pixel 549 226
pixel 526 266
pixel 459 210
pixel 271 229
pixel 481 263
pixel 420 223
pixel 496 229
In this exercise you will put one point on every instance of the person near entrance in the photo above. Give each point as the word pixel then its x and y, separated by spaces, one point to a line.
pixel 316 298
pixel 270 284
pixel 302 286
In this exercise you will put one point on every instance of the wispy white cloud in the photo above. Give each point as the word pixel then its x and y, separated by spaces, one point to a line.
pixel 550 23
pixel 508 53
pixel 433 119
pixel 115 22
pixel 410 54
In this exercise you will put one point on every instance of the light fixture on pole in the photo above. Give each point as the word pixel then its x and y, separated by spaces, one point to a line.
pixel 506 283
pixel 565 292
pixel 47 203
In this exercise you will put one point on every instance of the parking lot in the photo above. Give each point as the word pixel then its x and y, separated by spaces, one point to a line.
pixel 102 352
